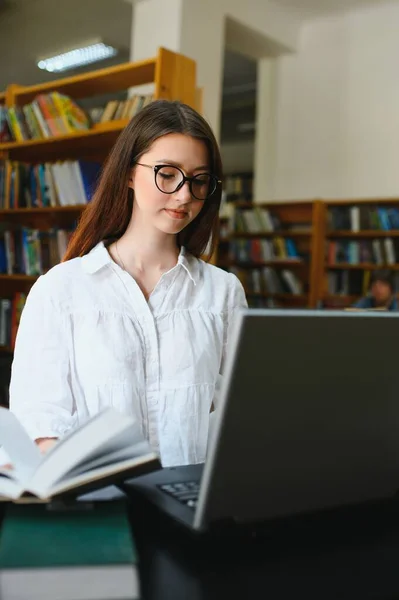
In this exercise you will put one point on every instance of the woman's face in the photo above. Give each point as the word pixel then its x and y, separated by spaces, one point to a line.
pixel 169 213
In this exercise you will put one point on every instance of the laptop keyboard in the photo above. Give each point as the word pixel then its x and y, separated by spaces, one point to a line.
pixel 185 492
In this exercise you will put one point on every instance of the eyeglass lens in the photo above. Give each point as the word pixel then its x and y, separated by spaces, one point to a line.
pixel 169 178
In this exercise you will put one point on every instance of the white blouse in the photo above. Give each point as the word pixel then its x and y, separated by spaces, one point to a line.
pixel 88 339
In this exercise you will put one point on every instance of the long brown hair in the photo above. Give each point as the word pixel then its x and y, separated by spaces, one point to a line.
pixel 108 214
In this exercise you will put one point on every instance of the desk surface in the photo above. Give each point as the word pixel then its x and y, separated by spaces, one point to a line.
pixel 351 555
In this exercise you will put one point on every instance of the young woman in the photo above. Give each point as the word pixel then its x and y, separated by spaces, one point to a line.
pixel 133 318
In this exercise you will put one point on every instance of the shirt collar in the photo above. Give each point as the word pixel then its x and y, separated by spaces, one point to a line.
pixel 98 257
pixel 189 264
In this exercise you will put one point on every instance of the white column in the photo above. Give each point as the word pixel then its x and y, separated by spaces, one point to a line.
pixel 195 29
pixel 155 23
pixel 265 136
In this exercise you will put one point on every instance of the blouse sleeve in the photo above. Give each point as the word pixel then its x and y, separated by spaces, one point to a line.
pixel 40 391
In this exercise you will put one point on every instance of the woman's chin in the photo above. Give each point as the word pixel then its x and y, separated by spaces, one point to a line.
pixel 172 226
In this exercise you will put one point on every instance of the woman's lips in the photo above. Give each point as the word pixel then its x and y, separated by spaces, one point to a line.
pixel 176 214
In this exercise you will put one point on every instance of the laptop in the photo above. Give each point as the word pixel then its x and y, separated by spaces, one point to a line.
pixel 308 420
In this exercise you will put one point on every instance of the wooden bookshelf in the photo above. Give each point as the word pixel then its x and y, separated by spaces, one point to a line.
pixel 268 234
pixel 316 270
pixel 363 266
pixel 295 224
pixel 375 233
pixel 63 217
pixel 172 76
pixel 92 143
pixel 263 263
pixel 366 232
pixel 100 81
pixel 238 186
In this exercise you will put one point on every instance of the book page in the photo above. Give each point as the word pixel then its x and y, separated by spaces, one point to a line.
pixel 111 457
pixel 23 452
pixel 9 489
pixel 126 467
pixel 82 444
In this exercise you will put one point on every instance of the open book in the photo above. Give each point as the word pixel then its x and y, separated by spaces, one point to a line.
pixel 108 448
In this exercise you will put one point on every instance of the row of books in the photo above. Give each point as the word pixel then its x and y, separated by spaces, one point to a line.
pixel 49 115
pixel 10 315
pixel 269 281
pixel 379 252
pixel 259 250
pixel 115 110
pixel 239 187
pixel 49 184
pixel 356 283
pixel 255 220
pixel 30 251
pixel 363 218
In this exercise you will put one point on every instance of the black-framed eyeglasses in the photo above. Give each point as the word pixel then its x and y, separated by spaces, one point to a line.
pixel 170 179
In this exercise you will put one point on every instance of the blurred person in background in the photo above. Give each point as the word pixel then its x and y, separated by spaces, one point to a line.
pixel 381 294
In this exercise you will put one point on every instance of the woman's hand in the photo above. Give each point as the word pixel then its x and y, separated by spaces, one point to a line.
pixel 45 443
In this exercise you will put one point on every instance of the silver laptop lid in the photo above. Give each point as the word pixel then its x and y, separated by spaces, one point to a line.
pixel 308 416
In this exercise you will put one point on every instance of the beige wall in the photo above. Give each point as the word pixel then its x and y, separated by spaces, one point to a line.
pixel 338 108
pixel 197 29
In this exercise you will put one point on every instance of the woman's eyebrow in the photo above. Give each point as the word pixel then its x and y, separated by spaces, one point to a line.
pixel 176 164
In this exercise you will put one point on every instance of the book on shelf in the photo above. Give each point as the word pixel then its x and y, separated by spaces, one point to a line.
pixel 266 280
pixel 54 114
pixel 259 250
pixel 376 251
pixel 238 186
pixel 84 553
pixel 363 217
pixel 116 110
pixel 25 251
pixel 256 220
pixel 10 316
pixel 107 448
pixel 49 115
pixel 63 183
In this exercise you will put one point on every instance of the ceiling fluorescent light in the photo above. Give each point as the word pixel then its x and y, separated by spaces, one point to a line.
pixel 77 57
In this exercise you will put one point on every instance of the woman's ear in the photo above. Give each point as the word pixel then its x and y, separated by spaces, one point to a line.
pixel 131 178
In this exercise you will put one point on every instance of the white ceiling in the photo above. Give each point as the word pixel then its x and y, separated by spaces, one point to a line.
pixel 30 29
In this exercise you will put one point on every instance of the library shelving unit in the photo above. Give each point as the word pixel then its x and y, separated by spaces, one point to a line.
pixel 238 186
pixel 173 77
pixel 273 249
pixel 359 236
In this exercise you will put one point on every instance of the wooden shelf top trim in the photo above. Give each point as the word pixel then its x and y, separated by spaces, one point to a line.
pixel 100 81
pixel 353 202
pixel 44 210
pixel 258 264
pixel 363 266
pixel 19 277
pixel 267 234
pixel 277 204
pixel 57 141
pixel 372 233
